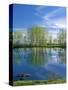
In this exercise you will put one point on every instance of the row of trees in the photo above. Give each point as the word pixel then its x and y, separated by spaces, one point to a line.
pixel 38 36
pixel 62 36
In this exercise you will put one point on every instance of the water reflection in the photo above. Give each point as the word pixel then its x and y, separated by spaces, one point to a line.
pixel 40 63
pixel 37 57
pixel 62 55
pixel 40 56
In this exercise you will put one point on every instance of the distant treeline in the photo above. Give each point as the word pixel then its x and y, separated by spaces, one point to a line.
pixel 38 36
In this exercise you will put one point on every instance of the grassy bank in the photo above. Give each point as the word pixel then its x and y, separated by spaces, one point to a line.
pixel 37 82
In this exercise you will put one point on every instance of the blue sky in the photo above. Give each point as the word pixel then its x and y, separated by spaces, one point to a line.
pixel 26 16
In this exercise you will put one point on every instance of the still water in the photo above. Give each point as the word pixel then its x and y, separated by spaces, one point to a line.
pixel 39 63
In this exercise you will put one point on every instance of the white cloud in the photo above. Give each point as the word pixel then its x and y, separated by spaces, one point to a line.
pixel 20 29
pixel 54 23
pixel 39 8
pixel 54 19
pixel 53 13
pixel 39 11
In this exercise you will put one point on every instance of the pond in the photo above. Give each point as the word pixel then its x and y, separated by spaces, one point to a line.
pixel 39 63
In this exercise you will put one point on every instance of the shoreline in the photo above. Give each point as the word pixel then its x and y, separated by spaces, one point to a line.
pixel 37 82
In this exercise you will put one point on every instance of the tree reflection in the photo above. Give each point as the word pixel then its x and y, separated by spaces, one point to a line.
pixel 18 55
pixel 62 55
pixel 37 56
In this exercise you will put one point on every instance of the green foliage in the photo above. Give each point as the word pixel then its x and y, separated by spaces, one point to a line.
pixel 17 37
pixel 38 35
pixel 36 82
pixel 62 36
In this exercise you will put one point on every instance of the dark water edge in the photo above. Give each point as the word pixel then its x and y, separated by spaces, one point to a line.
pixel 40 46
pixel 38 82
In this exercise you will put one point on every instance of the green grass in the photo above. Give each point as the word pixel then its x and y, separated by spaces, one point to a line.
pixel 37 82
